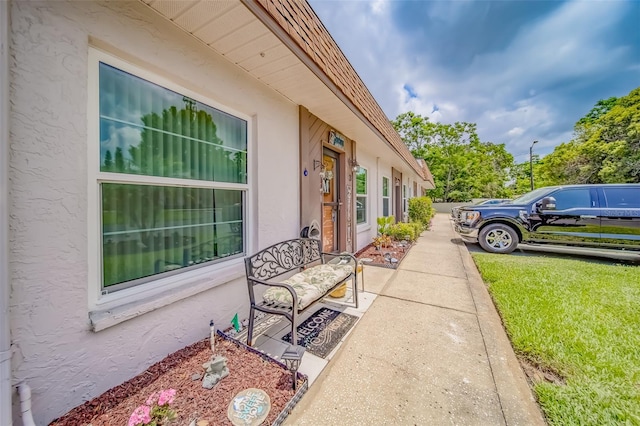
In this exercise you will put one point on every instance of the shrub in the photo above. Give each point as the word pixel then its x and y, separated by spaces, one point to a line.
pixel 382 240
pixel 403 231
pixel 383 224
pixel 421 210
pixel 418 228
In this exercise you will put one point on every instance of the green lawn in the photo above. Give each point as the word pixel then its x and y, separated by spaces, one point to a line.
pixel 582 320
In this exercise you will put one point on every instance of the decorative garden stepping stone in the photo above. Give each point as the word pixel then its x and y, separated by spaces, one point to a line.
pixel 249 407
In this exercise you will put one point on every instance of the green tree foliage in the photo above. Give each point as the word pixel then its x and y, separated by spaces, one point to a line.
pixel 108 161
pixel 605 148
pixel 602 107
pixel 191 149
pixel 463 166
pixel 521 176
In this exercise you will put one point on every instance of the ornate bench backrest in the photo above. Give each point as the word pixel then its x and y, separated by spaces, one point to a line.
pixel 282 257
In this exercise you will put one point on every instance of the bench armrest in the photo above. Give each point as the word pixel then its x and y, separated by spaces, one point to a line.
pixel 342 256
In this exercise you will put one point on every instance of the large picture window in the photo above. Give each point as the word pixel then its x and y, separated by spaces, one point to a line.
pixel 361 196
pixel 172 179
pixel 386 201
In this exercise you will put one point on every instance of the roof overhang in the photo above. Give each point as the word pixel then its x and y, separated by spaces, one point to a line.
pixel 244 33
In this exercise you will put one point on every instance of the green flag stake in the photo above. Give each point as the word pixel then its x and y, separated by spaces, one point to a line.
pixel 236 323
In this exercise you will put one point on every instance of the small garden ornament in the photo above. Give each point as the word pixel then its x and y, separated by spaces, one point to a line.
pixel 216 368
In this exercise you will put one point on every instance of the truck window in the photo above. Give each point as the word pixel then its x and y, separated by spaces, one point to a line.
pixel 622 198
pixel 572 198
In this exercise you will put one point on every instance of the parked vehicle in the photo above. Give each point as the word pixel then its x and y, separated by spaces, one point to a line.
pixel 598 216
pixel 491 201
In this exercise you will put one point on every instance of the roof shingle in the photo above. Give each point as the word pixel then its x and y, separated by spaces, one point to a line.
pixel 300 22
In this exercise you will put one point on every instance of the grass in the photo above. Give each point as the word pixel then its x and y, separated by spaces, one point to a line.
pixel 580 319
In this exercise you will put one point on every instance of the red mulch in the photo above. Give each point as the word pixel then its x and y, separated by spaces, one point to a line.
pixel 192 401
pixel 378 256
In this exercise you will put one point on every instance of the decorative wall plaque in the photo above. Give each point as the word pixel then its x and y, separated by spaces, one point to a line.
pixel 336 139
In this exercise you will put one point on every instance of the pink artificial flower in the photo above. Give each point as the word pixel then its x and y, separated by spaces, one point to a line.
pixel 152 399
pixel 166 397
pixel 141 415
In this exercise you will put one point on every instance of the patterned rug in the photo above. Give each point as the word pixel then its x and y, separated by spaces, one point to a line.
pixel 323 330
pixel 262 323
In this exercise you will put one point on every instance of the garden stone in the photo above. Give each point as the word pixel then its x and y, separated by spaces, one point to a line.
pixel 215 370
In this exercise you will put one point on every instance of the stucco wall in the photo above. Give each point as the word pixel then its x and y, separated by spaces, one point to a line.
pixel 54 350
pixel 378 167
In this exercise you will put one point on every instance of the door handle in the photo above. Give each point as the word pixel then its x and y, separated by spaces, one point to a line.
pixel 588 216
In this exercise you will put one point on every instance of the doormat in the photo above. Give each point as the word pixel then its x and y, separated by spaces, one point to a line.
pixel 261 324
pixel 323 330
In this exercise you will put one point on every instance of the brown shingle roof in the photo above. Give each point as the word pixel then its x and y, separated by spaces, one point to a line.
pixel 300 22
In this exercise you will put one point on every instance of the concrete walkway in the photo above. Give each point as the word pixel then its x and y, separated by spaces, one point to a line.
pixel 430 350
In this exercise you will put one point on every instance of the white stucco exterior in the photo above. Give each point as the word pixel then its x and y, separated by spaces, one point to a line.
pixel 52 240
pixel 70 340
pixel 377 167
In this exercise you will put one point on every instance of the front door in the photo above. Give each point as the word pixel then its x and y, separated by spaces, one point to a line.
pixel 330 201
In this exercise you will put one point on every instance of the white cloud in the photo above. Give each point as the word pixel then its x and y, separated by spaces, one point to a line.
pixel 516 131
pixel 523 90
pixel 121 137
pixel 379 7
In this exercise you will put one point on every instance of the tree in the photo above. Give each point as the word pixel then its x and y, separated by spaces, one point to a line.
pixel 463 166
pixel 108 161
pixel 416 131
pixel 120 166
pixel 605 148
pixel 602 107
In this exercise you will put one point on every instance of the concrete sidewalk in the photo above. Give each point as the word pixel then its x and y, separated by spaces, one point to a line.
pixel 430 350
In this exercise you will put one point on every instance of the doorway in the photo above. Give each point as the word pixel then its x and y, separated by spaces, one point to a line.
pixel 397 194
pixel 330 201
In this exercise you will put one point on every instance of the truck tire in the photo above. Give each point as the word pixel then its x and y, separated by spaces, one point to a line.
pixel 498 238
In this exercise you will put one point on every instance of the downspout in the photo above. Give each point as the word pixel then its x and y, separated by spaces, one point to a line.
pixel 25 405
pixel 5 328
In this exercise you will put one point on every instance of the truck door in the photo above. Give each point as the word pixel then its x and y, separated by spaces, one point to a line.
pixel 620 217
pixel 574 220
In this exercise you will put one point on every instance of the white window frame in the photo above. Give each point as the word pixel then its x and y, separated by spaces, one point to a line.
pixel 366 197
pixel 112 308
pixel 386 197
pixel 405 198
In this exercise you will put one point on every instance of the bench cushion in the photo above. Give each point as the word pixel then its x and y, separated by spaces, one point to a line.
pixel 309 285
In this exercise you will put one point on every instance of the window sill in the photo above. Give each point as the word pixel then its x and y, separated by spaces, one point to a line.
pixel 113 312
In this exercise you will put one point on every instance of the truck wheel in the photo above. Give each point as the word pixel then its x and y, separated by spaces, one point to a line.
pixel 498 238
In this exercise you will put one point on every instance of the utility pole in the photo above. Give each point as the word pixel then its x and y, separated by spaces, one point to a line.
pixel 531 162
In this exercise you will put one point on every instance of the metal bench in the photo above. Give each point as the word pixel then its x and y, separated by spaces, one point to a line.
pixel 317 275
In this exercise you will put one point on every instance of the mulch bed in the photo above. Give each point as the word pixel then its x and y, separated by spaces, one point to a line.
pixel 247 369
pixel 380 257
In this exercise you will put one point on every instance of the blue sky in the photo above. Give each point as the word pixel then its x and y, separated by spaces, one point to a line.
pixel 521 70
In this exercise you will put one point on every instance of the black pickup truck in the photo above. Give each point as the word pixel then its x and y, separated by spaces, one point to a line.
pixel 604 216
